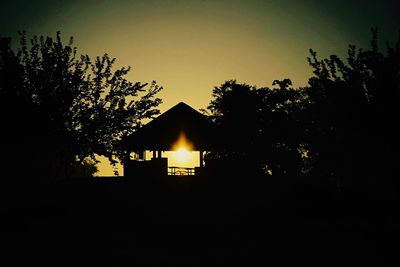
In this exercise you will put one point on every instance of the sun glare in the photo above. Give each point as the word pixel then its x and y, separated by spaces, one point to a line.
pixel 182 154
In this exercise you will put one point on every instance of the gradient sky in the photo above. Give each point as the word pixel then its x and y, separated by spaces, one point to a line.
pixel 190 46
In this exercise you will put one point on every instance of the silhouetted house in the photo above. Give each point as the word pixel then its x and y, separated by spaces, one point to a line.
pixel 179 125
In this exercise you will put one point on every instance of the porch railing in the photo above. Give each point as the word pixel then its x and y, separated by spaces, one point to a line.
pixel 173 170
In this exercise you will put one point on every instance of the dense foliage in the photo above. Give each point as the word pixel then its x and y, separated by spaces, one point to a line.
pixel 258 124
pixel 340 127
pixel 59 108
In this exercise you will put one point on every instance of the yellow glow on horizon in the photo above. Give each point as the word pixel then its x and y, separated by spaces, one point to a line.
pixel 189 47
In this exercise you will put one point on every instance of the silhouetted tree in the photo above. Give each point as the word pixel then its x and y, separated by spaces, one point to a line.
pixel 85 168
pixel 340 129
pixel 59 107
pixel 258 125
pixel 351 116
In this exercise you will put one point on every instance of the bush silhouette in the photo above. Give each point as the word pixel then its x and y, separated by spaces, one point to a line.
pixel 339 129
pixel 59 107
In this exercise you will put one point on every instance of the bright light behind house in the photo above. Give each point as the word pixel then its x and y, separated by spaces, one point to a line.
pixel 182 154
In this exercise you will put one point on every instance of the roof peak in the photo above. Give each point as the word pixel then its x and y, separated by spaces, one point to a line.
pixel 182 105
pixel 162 132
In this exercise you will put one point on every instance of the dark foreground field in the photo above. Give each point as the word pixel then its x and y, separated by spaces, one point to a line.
pixel 119 222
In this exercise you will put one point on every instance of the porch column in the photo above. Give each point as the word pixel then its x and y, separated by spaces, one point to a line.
pixel 201 159
pixel 142 155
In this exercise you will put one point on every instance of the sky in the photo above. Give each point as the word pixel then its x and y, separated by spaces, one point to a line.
pixel 190 46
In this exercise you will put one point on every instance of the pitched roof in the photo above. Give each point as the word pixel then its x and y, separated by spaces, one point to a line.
pixel 162 132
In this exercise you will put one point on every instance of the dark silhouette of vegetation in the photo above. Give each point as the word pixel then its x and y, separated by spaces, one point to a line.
pixel 259 125
pixel 339 129
pixel 60 108
pixel 350 116
pixel 87 168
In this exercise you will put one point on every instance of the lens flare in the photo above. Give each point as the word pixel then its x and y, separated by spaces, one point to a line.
pixel 182 150
pixel 182 155
pixel 182 143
